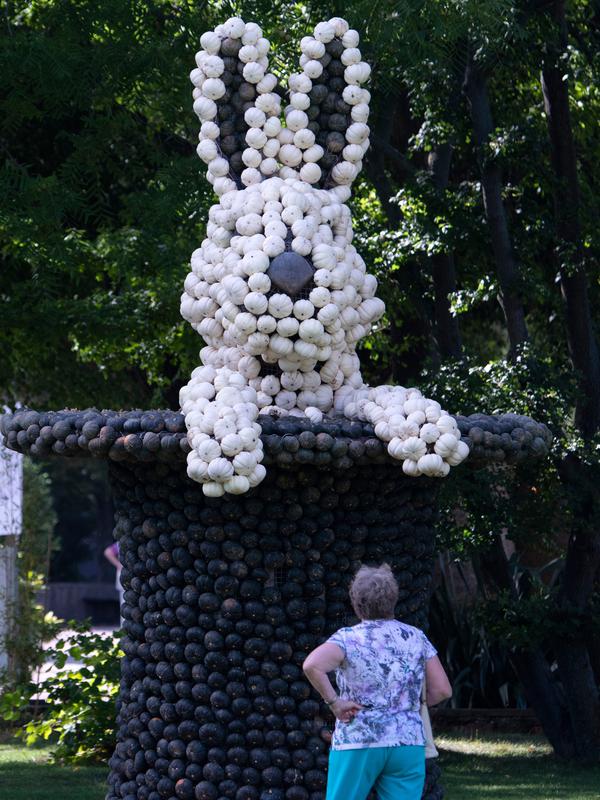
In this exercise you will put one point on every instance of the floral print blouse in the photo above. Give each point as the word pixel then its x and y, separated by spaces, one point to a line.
pixel 383 670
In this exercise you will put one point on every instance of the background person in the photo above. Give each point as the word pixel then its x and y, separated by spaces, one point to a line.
pixel 379 665
pixel 112 554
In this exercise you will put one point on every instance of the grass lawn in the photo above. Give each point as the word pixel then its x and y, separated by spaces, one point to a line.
pixel 511 767
pixel 506 768
pixel 26 775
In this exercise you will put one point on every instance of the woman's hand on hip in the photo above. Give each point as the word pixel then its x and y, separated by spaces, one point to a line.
pixel 345 710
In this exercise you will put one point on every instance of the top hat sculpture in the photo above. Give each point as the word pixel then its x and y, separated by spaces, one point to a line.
pixel 224 596
pixel 277 290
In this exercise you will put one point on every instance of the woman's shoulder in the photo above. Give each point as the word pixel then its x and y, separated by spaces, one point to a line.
pixel 409 632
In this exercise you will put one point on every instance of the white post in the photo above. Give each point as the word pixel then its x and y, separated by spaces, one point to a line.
pixel 11 505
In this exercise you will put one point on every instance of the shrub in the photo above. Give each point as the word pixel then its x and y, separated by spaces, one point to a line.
pixel 79 710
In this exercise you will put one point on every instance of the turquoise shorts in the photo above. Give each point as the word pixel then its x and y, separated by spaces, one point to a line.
pixel 396 773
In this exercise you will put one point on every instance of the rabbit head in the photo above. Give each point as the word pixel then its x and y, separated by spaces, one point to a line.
pixel 277 291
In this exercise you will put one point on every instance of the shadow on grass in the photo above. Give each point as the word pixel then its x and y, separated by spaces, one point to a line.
pixel 536 777
pixel 26 775
pixel 472 770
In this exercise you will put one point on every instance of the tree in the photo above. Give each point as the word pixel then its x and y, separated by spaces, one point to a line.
pixel 478 212
pixel 498 50
pixel 31 625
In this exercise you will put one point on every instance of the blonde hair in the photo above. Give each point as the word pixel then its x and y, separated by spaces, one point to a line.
pixel 374 592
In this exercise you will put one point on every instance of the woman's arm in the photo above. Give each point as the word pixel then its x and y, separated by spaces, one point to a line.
pixel 317 664
pixel 438 685
pixel 109 554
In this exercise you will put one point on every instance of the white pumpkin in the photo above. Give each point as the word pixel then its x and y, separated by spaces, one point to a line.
pixel 256 303
pixel 238 484
pixel 280 305
pixel 213 88
pixel 314 414
pixel 266 324
pixel 418 417
pixel 446 424
pixel 258 282
pixel 458 455
pixel 213 489
pixel 311 330
pixel 357 73
pixel 306 350
pixel 220 469
pixel 280 345
pixel 249 366
pixel 382 431
pixel 313 68
pixel 248 53
pixel 322 277
pixel 357 133
pixel 209 450
pixel 319 297
pixel 344 172
pixel 244 463
pixel 303 309
pixel 231 444
pixel 290 155
pixel 205 109
pixel 273 246
pixel 288 327
pixel 297 120
pixel 411 468
pixel 313 154
pixel 396 448
pixel 433 465
pixel 257 475
pixel 285 400
pixel 429 433
pixel 323 257
pixel 270 385
pixel 414 448
pixel 292 381
pixel 253 72
pixel 252 33
pixel 210 42
pixel 446 444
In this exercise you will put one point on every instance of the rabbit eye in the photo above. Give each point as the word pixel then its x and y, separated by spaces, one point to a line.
pixel 290 273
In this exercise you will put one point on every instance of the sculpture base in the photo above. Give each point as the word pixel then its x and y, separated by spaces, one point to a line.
pixel 224 598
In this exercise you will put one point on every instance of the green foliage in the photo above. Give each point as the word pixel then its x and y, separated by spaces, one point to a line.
pixel 477 664
pixel 79 713
pixel 537 620
pixel 32 625
pixel 81 496
pixel 39 519
pixel 103 202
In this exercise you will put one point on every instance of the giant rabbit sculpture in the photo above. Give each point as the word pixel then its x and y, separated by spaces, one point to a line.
pixel 277 290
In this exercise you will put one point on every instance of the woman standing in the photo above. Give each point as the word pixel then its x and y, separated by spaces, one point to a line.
pixel 379 665
pixel 111 553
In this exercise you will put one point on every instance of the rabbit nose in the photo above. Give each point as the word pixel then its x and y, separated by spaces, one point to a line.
pixel 290 273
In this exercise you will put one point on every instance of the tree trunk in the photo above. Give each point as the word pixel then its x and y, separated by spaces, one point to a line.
pixel 580 688
pixel 583 552
pixel 475 88
pixel 583 347
pixel 443 268
pixel 531 666
pixel 403 365
pixel 574 654
pixel 375 164
pixel 543 696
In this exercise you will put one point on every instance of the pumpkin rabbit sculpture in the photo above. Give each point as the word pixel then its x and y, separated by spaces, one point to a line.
pixel 277 291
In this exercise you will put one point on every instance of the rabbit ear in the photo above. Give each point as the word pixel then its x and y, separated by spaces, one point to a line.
pixel 327 101
pixel 235 98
